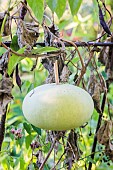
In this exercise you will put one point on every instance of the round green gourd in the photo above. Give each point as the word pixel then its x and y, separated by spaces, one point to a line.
pixel 57 107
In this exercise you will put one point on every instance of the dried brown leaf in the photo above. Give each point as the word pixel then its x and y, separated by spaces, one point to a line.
pixel 109 150
pixel 28 34
pixel 91 83
pixel 50 34
pixel 40 158
pixel 6 86
pixel 5 93
pixel 105 132
pixel 96 97
pixel 72 150
pixel 4 61
pixel 94 89
pixel 65 74
pixel 103 56
pixel 106 58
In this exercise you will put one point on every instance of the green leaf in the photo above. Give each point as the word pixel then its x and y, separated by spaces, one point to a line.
pixel 44 50
pixel 60 8
pixel 38 130
pixel 14 43
pixel 14 60
pixel 2 50
pixel 22 162
pixel 27 127
pixel 38 8
pixel 28 141
pixel 52 4
pixel 74 6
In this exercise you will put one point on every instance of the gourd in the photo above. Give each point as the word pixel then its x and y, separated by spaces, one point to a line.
pixel 57 106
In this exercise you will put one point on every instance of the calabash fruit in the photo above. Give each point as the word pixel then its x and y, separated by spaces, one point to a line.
pixel 57 107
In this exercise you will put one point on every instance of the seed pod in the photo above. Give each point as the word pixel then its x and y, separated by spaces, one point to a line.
pixel 102 22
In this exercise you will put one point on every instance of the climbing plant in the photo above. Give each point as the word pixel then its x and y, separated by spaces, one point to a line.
pixel 33 35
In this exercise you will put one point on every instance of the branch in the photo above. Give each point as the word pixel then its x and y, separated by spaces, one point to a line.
pixel 78 44
pixel 31 55
pixel 45 160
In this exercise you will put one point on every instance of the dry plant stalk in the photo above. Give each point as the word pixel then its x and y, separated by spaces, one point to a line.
pixel 56 72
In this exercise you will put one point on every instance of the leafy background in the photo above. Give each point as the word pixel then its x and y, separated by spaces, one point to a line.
pixel 77 20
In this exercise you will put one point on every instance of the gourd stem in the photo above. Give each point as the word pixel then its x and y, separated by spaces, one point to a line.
pixel 56 72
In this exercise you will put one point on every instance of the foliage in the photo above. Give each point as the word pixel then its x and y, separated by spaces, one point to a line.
pixel 25 146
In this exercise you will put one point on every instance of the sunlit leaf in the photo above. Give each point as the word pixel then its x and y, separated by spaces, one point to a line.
pixel 2 50
pixel 28 141
pixel 52 4
pixel 14 43
pixel 14 60
pixel 44 50
pixel 60 8
pixel 38 8
pixel 27 127
pixel 38 130
pixel 74 6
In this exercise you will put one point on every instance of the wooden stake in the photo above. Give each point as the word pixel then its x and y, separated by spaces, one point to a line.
pixel 56 72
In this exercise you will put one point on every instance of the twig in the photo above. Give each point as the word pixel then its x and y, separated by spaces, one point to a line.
pixel 45 160
pixel 53 54
pixel 25 6
pixel 76 48
pixel 58 161
pixel 83 70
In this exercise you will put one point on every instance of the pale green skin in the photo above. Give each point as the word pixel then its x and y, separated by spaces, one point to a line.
pixel 57 107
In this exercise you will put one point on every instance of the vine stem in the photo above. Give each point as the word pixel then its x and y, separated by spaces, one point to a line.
pixel 97 128
pixel 45 160
pixel 2 129
pixel 31 55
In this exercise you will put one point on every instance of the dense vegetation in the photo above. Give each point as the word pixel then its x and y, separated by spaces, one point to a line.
pixel 33 35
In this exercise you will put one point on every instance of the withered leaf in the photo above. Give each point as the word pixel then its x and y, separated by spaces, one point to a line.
pixel 28 34
pixel 40 158
pixel 94 89
pixel 96 97
pixel 106 58
pixel 4 62
pixel 109 150
pixel 105 132
pixel 65 74
pixel 50 38
pixel 72 150
pixel 103 56
pixel 5 93
pixel 6 86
